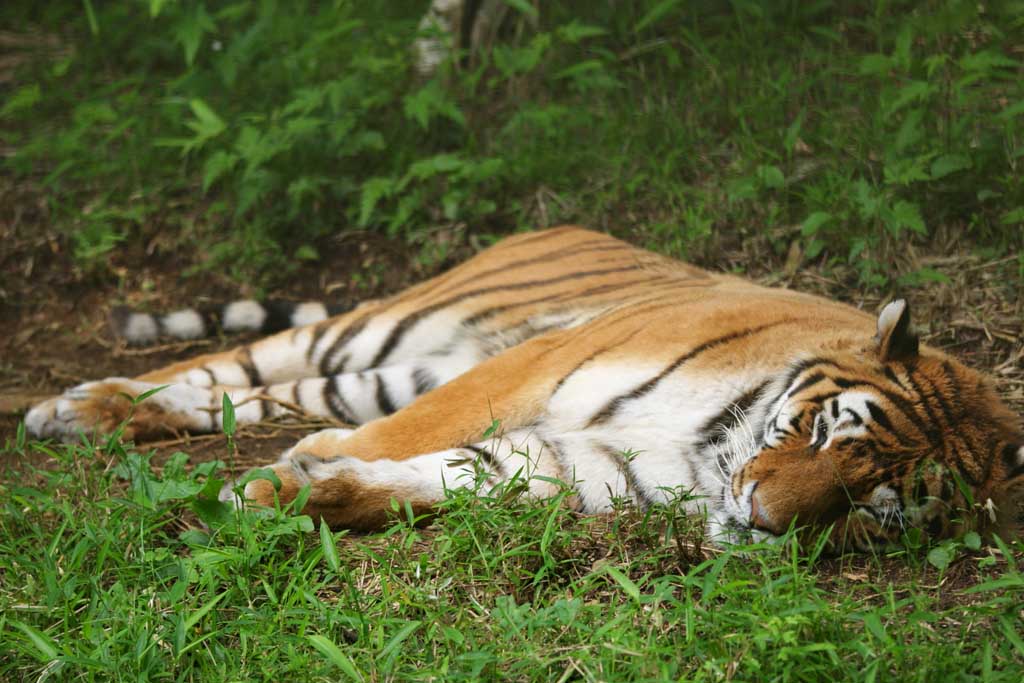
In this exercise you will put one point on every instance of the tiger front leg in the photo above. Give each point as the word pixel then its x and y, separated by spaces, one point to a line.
pixel 350 492
pixel 103 406
pixel 352 398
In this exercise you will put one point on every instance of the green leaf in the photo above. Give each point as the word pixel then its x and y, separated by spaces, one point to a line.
pixel 949 163
pixel 972 540
pixel 90 15
pixel 523 7
pixel 940 557
pixel 630 588
pixel 374 190
pixel 874 65
pixel 330 549
pixel 219 163
pixel 1012 111
pixel 23 98
pixel 155 7
pixel 789 140
pixel 492 430
pixel 190 30
pixel 987 61
pixel 396 640
pixel 813 223
pixel 914 91
pixel 45 646
pixel 575 32
pixel 196 616
pixel 146 394
pixel 1012 634
pixel 228 415
pixel 771 176
pixel 579 69
pixel 1013 216
pixel 907 215
pixel 307 252
pixel 208 122
pixel 814 247
pixel 435 165
pixel 264 473
pixel 335 656
pixel 656 13
pixel 875 627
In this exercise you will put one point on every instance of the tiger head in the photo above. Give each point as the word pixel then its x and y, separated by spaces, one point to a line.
pixel 878 440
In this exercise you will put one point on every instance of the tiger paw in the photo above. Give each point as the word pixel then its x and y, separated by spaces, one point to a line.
pixel 103 406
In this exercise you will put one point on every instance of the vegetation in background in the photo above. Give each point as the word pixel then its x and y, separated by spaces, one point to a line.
pixel 846 127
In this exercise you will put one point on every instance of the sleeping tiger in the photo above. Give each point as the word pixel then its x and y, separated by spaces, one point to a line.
pixel 621 372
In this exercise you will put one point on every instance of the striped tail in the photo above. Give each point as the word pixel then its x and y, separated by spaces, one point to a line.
pixel 238 316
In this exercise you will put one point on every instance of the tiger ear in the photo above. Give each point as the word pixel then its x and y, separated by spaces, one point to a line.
pixel 895 340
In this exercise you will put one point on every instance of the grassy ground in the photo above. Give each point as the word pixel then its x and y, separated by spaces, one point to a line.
pixel 852 149
pixel 108 576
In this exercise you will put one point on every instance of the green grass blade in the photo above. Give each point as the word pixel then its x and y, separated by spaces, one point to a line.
pixel 47 649
pixel 335 656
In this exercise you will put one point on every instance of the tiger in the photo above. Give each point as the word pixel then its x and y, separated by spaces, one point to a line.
pixel 568 357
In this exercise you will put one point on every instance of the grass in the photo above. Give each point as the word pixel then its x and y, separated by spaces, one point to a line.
pixel 106 573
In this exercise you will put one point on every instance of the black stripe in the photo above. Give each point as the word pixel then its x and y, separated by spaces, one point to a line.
pixel 209 373
pixel 245 361
pixel 879 417
pixel 953 390
pixel 319 330
pixel 612 406
pixel 728 418
pixel 594 355
pixel 336 402
pixel 423 380
pixel 404 325
pixel 572 250
pixel 384 402
pixel 625 468
pixel 559 459
pixel 899 403
pixel 816 378
pixel 343 338
pixel 1012 461
pixel 488 458
pixel 296 398
pixel 540 236
pixel 575 298
pixel 278 315
pixel 932 434
pixel 801 366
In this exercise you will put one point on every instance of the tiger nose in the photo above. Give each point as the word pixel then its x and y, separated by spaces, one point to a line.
pixel 758 520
